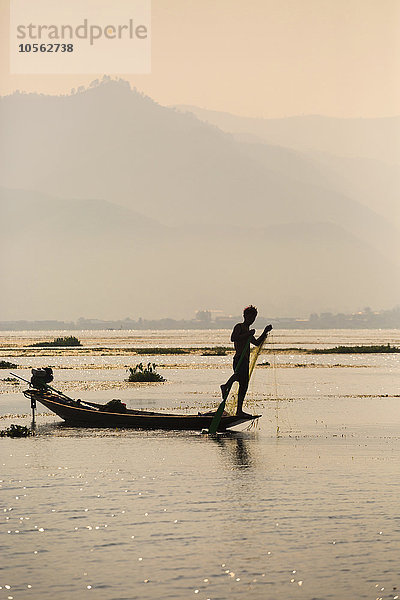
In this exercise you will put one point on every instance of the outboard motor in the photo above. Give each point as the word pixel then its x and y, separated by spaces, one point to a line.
pixel 41 377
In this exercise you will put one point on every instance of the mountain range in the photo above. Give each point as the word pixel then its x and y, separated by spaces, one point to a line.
pixel 112 204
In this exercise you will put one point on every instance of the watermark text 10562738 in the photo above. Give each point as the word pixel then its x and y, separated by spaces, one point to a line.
pixel 45 48
pixel 80 36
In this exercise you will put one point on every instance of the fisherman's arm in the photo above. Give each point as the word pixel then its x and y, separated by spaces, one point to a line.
pixel 259 341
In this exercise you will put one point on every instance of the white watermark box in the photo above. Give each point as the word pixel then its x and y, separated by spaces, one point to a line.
pixel 80 36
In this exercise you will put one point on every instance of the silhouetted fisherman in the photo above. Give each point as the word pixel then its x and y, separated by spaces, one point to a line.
pixel 242 337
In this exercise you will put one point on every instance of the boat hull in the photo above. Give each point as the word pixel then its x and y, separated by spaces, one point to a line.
pixel 85 416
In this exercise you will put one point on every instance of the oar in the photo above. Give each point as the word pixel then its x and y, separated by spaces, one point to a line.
pixel 217 417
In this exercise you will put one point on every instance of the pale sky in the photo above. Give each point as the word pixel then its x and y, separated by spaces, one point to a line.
pixel 263 58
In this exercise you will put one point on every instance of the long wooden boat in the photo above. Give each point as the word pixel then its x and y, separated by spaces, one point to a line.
pixel 89 414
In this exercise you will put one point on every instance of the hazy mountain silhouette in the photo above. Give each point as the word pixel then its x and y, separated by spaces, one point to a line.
pixel 94 258
pixel 110 142
pixel 358 157
pixel 32 210
pixel 375 138
pixel 169 214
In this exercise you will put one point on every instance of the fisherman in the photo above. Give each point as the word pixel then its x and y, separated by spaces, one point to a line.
pixel 242 336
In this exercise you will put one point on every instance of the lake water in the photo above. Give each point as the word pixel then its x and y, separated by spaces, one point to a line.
pixel 305 505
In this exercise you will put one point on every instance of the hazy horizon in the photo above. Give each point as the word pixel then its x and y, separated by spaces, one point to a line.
pixel 365 318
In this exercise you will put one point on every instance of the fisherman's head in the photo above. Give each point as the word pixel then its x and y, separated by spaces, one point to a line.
pixel 249 314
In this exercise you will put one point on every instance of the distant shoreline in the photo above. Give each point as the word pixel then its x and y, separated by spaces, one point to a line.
pixel 367 319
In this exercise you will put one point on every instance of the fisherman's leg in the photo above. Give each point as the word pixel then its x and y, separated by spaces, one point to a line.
pixel 243 386
pixel 226 387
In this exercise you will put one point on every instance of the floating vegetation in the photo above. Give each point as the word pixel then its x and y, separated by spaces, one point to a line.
pixel 60 341
pixel 206 351
pixel 18 415
pixel 316 366
pixel 383 348
pixel 4 364
pixel 217 351
pixel 149 351
pixel 50 349
pixel 141 373
pixel 74 348
pixel 16 431
pixel 363 395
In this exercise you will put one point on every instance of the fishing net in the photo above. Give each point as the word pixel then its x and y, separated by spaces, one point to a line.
pixel 231 402
pixel 280 413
